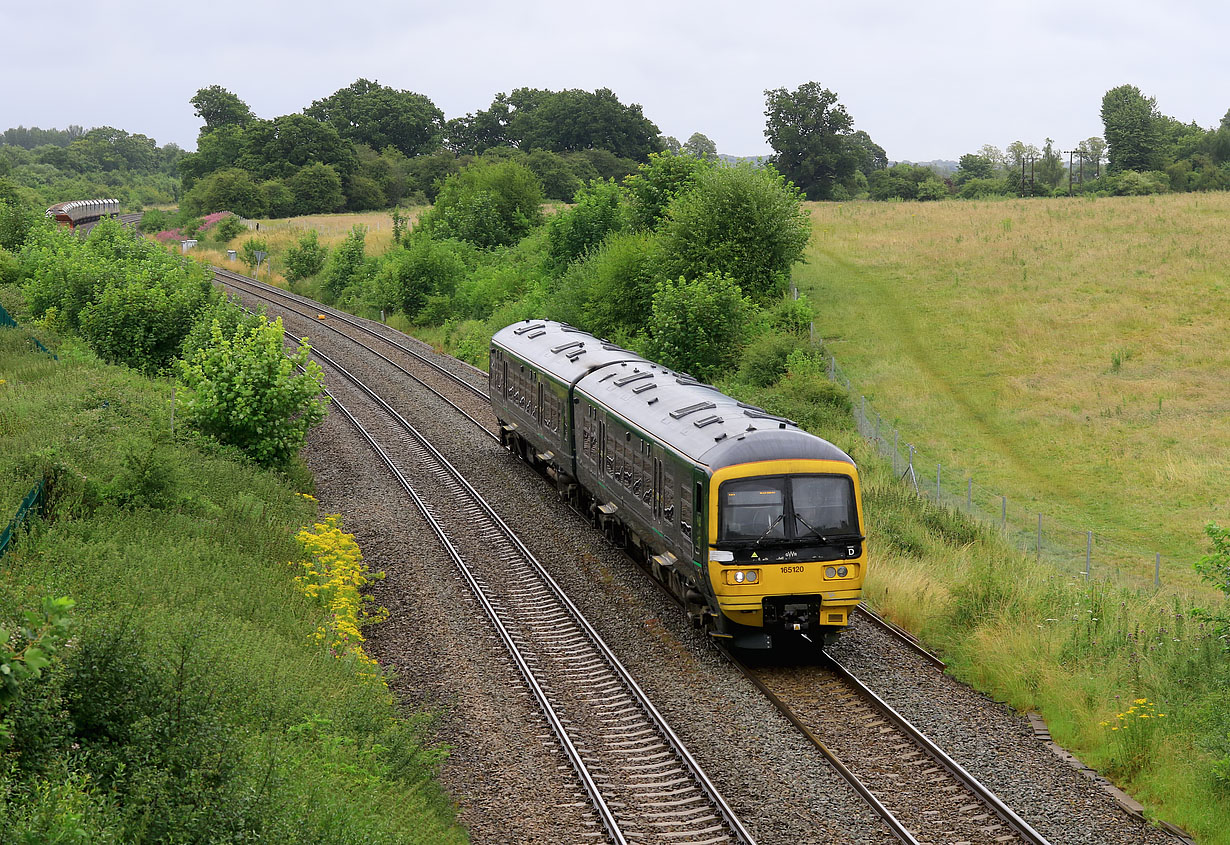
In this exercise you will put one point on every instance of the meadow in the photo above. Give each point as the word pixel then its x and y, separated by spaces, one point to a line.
pixel 1069 354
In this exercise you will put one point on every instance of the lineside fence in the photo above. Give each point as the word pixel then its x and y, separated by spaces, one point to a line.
pixel 1084 553
pixel 32 500
pixel 7 321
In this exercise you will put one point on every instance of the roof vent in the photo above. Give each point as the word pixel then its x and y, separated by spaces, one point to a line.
pixel 638 376
pixel 530 328
pixel 710 420
pixel 573 345
pixel 691 409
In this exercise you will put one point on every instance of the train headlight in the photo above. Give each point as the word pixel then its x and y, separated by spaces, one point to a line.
pixel 752 576
pixel 830 572
pixel 842 572
pixel 742 576
pixel 738 577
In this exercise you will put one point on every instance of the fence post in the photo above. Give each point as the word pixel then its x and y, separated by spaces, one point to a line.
pixel 896 434
pixel 1088 552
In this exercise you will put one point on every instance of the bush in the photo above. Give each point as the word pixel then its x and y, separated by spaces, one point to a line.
pixel 248 253
pixel 424 268
pixel 348 265
pixel 16 221
pixel 244 392
pixel 766 358
pixel 656 184
pixel 559 181
pixel 305 259
pixel 10 267
pixel 155 220
pixel 139 324
pixel 611 290
pixel 488 203
pixel 599 211
pixel 744 222
pixel 696 326
pixel 228 228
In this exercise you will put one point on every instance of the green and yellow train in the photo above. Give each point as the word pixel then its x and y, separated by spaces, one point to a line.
pixel 755 524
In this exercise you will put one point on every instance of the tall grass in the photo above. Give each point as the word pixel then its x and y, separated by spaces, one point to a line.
pixel 1069 353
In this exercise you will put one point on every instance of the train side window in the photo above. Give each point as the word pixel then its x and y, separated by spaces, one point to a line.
pixel 685 510
pixel 698 533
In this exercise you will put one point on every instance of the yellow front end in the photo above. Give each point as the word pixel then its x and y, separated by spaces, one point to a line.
pixel 741 586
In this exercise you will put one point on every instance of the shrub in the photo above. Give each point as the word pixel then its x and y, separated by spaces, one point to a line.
pixel 424 268
pixel 656 184
pixel 599 212
pixel 744 222
pixel 247 253
pixel 696 325
pixel 16 221
pixel 765 359
pixel 488 203
pixel 305 259
pixel 155 220
pixel 228 228
pixel 347 265
pixel 611 290
pixel 139 324
pixel 10 267
pixel 244 392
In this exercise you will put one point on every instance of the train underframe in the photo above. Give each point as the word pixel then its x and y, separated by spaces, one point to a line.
pixel 788 621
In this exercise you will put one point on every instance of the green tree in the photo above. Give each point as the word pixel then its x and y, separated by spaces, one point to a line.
pixel 16 221
pixel 657 182
pixel 598 212
pixel 697 326
pixel 407 277
pixel 1050 170
pixel 742 221
pixel 219 107
pixel 217 149
pixel 244 391
pixel 230 189
pixel 316 189
pixel 870 155
pixel 348 265
pixel 379 116
pixel 488 203
pixel 700 146
pixel 973 166
pixel 274 149
pixel 306 258
pixel 559 181
pixel 580 120
pixel 248 253
pixel 1132 128
pixel 610 291
pixel 809 133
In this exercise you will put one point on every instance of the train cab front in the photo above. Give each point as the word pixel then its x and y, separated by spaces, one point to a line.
pixel 787 556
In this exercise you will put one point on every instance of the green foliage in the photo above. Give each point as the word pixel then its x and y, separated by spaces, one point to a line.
pixel 974 166
pixel 658 182
pixel 610 292
pixel 131 301
pixel 316 188
pixel 363 193
pixel 745 222
pixel 248 252
pixel 1132 127
pixel 599 211
pixel 808 131
pixel 227 229
pixel 146 479
pixel 488 204
pixel 407 277
pixel 766 358
pixel 156 220
pixel 29 649
pixel 378 116
pixel 556 174
pixel 1214 568
pixel 228 313
pixel 348 265
pixel 218 107
pixel 906 182
pixel 244 392
pixel 16 221
pixel 700 146
pixel 229 189
pixel 1129 183
pixel 697 326
pixel 305 259
pixel 10 267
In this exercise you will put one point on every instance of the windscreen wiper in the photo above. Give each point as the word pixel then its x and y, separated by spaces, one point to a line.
pixel 810 527
pixel 780 517
pixel 841 538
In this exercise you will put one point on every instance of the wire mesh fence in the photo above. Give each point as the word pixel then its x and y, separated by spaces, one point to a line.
pixel 1073 550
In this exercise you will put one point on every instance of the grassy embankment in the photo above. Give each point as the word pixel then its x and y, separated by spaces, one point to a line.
pixel 1069 354
pixel 1030 343
pixel 194 702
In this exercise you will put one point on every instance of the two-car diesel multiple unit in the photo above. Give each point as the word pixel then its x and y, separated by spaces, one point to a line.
pixel 74 213
pixel 753 523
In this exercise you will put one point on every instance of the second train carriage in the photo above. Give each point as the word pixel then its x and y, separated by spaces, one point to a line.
pixel 756 524
pixel 77 212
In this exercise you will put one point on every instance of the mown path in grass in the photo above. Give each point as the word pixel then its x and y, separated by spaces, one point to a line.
pixel 1067 353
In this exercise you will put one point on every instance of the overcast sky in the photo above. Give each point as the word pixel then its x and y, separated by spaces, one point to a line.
pixel 925 80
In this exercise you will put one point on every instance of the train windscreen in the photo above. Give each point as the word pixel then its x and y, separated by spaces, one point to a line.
pixel 810 508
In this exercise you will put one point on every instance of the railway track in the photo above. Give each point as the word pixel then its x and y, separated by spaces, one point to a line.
pixel 921 794
pixel 643 784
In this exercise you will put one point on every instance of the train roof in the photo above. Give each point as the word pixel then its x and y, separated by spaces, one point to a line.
pixel 695 419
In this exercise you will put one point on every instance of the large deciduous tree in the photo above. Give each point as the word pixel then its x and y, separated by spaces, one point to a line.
pixel 809 133
pixel 1132 128
pixel 274 149
pixel 219 107
pixel 379 116
pixel 700 146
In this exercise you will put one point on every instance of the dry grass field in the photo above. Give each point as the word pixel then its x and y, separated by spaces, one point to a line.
pixel 1073 354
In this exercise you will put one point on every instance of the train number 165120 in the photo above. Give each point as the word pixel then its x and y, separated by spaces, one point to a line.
pixel 787 569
